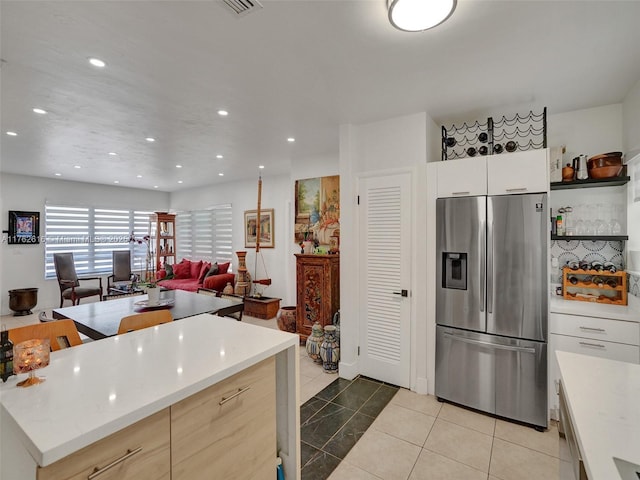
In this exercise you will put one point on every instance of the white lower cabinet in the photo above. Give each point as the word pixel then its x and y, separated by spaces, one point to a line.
pixel 597 337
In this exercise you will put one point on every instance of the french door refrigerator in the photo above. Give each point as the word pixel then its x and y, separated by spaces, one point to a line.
pixel 492 305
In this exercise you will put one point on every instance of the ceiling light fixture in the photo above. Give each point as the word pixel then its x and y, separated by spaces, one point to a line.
pixel 40 111
pixel 223 113
pixel 150 139
pixel 419 15
pixel 58 174
pixel 96 62
pixel 260 166
pixel 179 181
pixel 291 139
pixel 219 157
pixel 221 174
pixel 116 181
pixel 155 186
pixel 77 166
pixel 12 134
pixel 113 153
pixel 138 176
pixel 178 166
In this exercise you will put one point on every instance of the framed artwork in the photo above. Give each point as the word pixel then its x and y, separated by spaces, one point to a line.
pixel 24 227
pixel 317 209
pixel 266 228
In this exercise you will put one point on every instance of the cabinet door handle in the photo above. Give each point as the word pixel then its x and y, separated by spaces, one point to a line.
pixel 591 329
pixel 460 193
pixel 587 344
pixel 519 189
pixel 239 392
pixel 99 471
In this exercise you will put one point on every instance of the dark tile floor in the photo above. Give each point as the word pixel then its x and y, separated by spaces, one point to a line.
pixel 334 419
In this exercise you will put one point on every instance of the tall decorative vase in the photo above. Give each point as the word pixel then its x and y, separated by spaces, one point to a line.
pixel 243 287
pixel 330 350
pixel 286 319
pixel 314 341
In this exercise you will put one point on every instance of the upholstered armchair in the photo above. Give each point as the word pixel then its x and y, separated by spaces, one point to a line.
pixel 121 260
pixel 69 282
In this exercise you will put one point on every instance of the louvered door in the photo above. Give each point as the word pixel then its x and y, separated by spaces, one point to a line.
pixel 385 253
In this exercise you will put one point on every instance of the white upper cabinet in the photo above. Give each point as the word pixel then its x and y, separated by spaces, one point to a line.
pixel 462 178
pixel 519 172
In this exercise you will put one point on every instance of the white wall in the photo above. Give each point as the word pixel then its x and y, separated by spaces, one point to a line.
pixel 631 137
pixel 631 121
pixel 397 144
pixel 23 265
pixel 278 193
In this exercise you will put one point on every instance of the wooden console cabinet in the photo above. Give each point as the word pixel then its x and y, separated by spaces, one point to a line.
pixel 318 291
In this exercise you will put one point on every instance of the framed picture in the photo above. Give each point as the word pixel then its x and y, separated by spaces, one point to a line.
pixel 266 228
pixel 24 227
pixel 317 215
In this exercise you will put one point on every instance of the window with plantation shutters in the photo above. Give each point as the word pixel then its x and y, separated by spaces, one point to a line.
pixel 205 234
pixel 92 234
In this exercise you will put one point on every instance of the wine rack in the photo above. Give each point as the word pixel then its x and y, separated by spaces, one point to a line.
pixel 506 134
pixel 583 285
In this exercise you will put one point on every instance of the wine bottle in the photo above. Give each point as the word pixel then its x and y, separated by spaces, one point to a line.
pixel 6 355
pixel 573 265
pixel 597 266
pixel 573 280
pixel 612 282
pixel 598 281
pixel 610 267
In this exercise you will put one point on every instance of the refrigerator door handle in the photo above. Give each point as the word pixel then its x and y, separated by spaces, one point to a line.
pixel 483 265
pixel 489 250
pixel 489 344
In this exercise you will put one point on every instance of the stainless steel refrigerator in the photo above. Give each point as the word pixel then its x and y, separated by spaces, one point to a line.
pixel 492 305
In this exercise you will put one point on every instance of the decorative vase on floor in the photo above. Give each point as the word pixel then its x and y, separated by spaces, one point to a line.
pixel 330 350
pixel 286 319
pixel 228 290
pixel 314 341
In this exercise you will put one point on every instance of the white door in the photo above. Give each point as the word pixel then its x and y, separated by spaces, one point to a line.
pixel 385 264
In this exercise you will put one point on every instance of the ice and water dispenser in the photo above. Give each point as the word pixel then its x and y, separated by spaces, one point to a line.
pixel 454 270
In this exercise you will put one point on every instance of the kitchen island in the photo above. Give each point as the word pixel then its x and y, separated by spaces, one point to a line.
pixel 602 402
pixel 171 380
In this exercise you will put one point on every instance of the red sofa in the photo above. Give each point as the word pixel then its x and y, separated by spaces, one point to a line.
pixel 190 276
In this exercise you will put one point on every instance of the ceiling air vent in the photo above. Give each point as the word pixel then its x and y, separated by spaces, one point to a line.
pixel 242 7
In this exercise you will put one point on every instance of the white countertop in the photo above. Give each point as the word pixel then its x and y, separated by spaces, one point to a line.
pixel 603 398
pixel 629 313
pixel 98 388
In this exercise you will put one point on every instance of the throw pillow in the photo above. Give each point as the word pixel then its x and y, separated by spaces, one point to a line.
pixel 212 271
pixel 223 267
pixel 195 269
pixel 203 271
pixel 182 270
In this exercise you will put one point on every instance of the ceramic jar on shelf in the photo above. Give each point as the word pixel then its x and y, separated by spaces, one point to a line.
pixel 314 341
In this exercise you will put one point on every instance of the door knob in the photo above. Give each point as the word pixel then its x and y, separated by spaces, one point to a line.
pixel 404 293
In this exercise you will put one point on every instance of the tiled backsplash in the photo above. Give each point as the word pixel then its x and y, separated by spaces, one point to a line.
pixel 604 251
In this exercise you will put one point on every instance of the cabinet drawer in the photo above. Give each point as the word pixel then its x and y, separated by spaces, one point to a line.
pixel 595 328
pixel 595 348
pixel 462 178
pixel 227 430
pixel 152 461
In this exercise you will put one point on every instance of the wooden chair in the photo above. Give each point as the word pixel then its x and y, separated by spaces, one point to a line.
pixel 61 333
pixel 144 320
pixel 69 282
pixel 223 312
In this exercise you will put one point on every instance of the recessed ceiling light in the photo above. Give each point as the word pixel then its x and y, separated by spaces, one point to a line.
pixel 77 166
pixel 221 174
pixel 150 139
pixel 291 139
pixel 178 166
pixel 179 181
pixel 155 186
pixel 12 134
pixel 261 166
pixel 58 174
pixel 116 181
pixel 113 153
pixel 217 156
pixel 96 62
pixel 223 113
pixel 138 176
pixel 40 111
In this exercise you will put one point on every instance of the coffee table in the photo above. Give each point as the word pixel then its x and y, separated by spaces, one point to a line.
pixel 101 319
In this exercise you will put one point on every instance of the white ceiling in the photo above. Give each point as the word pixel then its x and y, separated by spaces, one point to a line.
pixel 295 68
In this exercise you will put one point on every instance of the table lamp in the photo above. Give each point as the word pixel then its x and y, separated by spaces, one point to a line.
pixel 29 356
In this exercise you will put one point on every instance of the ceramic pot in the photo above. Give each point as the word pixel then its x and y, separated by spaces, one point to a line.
pixel 314 341
pixel 330 350
pixel 22 300
pixel 286 319
pixel 154 296
pixel 228 290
